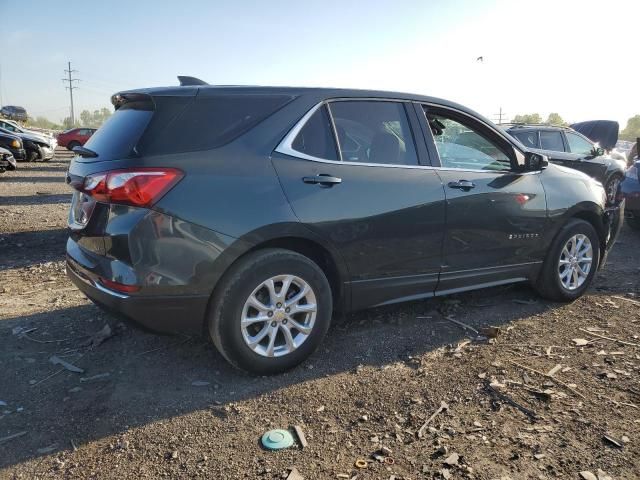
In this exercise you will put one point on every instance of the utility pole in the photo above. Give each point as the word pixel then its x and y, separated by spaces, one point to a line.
pixel 71 87
pixel 500 115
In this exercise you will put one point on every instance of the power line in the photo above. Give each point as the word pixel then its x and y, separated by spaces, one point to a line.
pixel 71 88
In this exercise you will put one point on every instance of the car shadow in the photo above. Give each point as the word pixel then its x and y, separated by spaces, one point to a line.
pixel 24 179
pixel 43 198
pixel 137 377
pixel 21 249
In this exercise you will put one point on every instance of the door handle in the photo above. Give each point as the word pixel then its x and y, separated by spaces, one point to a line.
pixel 465 185
pixel 323 179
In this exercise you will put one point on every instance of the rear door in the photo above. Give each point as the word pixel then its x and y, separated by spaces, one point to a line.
pixel 370 194
pixel 495 216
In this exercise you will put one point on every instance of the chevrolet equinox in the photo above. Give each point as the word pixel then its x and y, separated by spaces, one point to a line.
pixel 255 213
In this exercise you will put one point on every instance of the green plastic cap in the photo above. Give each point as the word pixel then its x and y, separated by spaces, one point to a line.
pixel 277 439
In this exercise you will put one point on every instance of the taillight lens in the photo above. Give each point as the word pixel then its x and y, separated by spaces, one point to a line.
pixel 139 187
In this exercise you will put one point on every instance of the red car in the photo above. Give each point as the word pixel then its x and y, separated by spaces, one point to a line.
pixel 75 137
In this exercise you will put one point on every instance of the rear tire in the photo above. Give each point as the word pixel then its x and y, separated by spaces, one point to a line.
pixel 562 277
pixel 233 317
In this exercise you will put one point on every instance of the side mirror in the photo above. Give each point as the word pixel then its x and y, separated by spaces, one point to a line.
pixel 535 161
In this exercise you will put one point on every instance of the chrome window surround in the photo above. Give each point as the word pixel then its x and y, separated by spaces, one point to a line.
pixel 285 146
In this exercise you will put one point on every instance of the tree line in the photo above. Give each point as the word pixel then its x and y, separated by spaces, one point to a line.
pixel 631 132
pixel 93 119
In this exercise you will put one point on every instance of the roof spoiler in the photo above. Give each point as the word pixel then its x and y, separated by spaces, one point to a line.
pixel 186 81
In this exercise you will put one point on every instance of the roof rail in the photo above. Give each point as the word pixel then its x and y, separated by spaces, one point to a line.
pixel 524 125
pixel 186 81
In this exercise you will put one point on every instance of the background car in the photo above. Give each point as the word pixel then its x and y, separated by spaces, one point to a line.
pixel 213 221
pixel 630 191
pixel 7 162
pixel 565 146
pixel 15 127
pixel 14 113
pixel 14 144
pixel 75 137
pixel 37 147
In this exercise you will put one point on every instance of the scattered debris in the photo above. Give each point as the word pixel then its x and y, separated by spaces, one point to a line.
pixel 613 441
pixel 490 331
pixel 95 377
pixel 554 370
pixel 277 439
pixel 580 342
pixel 443 406
pixel 100 336
pixel 461 324
pixel 294 474
pixel 301 438
pixel 11 437
pixel 49 449
pixel 320 409
pixel 565 385
pixel 452 459
pixel 361 463
pixel 635 302
pixel 199 383
pixel 586 475
pixel 55 360
pixel 609 338
pixel 524 302
pixel 505 398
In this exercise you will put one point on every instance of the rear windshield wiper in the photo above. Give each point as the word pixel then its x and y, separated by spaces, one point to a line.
pixel 84 152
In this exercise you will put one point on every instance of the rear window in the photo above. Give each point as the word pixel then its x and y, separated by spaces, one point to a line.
pixel 180 124
pixel 118 136
pixel 207 122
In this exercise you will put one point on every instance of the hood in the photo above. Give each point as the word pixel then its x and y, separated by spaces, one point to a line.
pixel 33 137
pixel 605 132
pixel 4 151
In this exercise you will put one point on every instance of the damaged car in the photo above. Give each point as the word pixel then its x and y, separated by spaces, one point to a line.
pixel 568 147
pixel 37 147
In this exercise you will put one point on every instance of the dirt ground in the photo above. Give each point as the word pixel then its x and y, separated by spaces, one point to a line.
pixel 546 396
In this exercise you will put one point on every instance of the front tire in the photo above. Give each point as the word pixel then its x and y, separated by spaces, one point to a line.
pixel 270 311
pixel 32 156
pixel 571 262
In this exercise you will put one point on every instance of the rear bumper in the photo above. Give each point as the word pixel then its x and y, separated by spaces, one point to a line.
pixel 630 191
pixel 162 313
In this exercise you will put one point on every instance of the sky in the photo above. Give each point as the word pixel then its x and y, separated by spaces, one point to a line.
pixel 577 58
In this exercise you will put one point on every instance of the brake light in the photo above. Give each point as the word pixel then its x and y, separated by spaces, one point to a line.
pixel 139 187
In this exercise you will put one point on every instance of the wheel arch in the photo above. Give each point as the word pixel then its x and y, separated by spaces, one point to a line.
pixel 304 243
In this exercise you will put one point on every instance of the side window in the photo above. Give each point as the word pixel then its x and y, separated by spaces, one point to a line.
pixel 316 137
pixel 577 144
pixel 374 132
pixel 551 140
pixel 462 146
pixel 528 138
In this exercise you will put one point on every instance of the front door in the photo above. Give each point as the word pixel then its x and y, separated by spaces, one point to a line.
pixel 369 196
pixel 495 217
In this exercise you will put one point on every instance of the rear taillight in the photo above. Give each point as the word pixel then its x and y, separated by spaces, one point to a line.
pixel 118 287
pixel 139 187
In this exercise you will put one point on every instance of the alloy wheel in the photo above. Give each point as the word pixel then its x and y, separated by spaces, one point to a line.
pixel 278 316
pixel 576 259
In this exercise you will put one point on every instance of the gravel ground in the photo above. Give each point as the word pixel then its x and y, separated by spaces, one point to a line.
pixel 152 406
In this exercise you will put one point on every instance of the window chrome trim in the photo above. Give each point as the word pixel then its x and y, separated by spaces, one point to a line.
pixel 286 145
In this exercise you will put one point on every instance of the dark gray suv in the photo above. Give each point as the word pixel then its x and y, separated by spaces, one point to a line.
pixel 255 213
